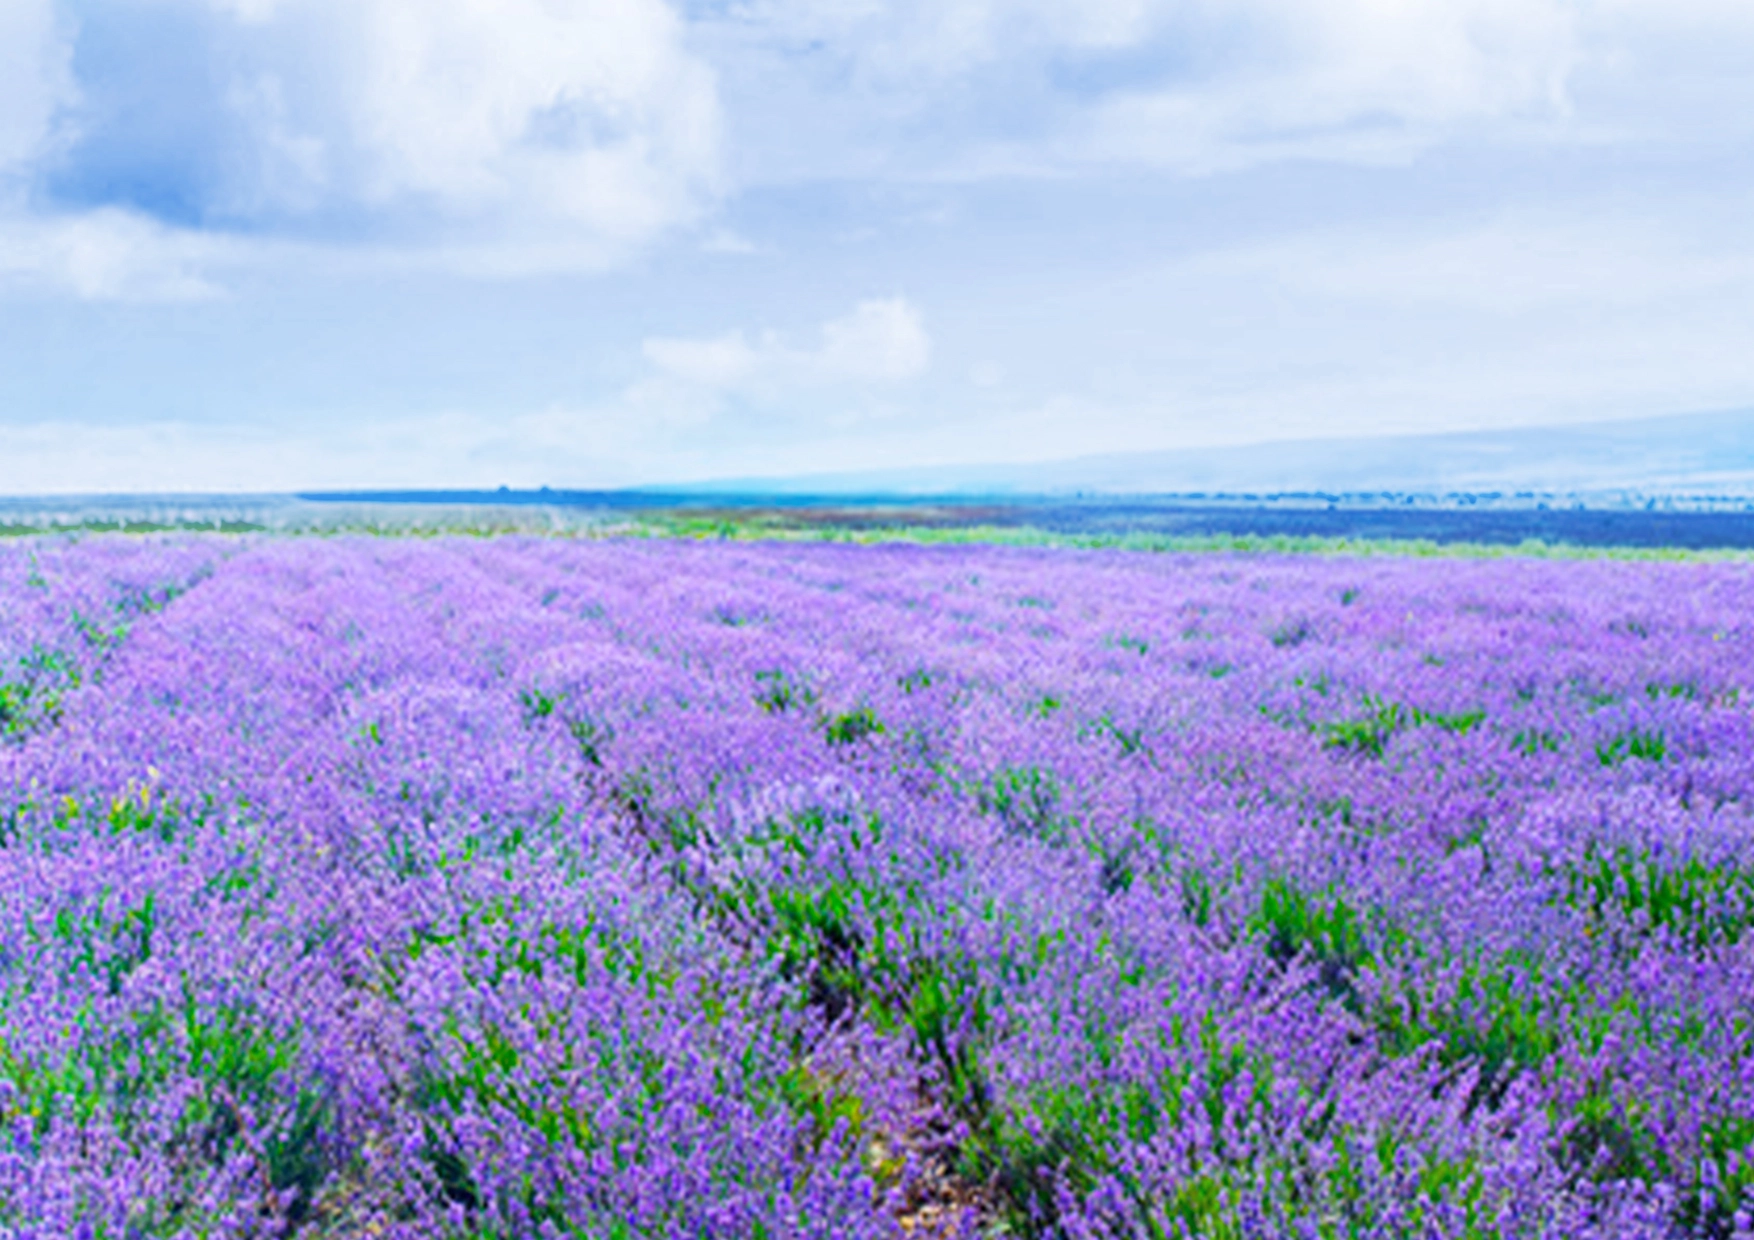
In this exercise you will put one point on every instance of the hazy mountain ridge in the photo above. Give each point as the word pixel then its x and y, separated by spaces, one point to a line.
pixel 1691 454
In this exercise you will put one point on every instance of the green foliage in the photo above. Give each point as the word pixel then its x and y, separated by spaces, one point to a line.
pixel 99 636
pixel 32 702
pixel 1329 811
pixel 1613 1135
pixel 477 1065
pixel 576 950
pixel 949 1012
pixel 536 704
pixel 590 735
pixel 1645 745
pixel 1063 1135
pixel 854 726
pixel 1368 735
pixel 1130 740
pixel 19 713
pixel 1197 896
pixel 1461 722
pixel 241 1068
pixel 1322 928
pixel 1704 903
pixel 1371 733
pixel 830 1108
pixel 735 616
pixel 917 680
pixel 1293 632
pixel 1116 864
pixel 104 941
pixel 1066 1134
pixel 777 691
pixel 766 527
pixel 839 932
pixel 1531 741
pixel 1026 800
pixel 140 813
pixel 1685 690
pixel 1454 1186
pixel 591 738
pixel 1502 1015
pixel 817 939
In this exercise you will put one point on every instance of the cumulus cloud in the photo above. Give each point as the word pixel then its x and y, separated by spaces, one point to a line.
pixel 880 341
pixel 572 129
pixel 34 79
pixel 1352 80
pixel 528 136
pixel 568 129
pixel 954 87
pixel 907 41
pixel 969 88
pixel 590 111
pixel 109 255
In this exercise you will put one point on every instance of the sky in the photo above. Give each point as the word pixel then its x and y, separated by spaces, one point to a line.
pixel 270 245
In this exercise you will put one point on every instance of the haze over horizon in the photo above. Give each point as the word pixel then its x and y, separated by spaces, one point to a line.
pixel 283 245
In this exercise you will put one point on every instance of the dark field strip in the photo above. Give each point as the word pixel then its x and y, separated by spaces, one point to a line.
pixel 661 888
pixel 1485 521
pixel 1294 522
pixel 1139 521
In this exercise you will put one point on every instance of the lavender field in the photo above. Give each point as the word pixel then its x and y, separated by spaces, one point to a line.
pixel 548 887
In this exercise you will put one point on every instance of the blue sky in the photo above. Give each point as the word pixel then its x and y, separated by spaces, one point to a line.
pixel 280 244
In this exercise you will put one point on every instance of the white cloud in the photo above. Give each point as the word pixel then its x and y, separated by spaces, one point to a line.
pixel 34 78
pixel 498 136
pixel 1351 79
pixel 727 241
pixel 1523 318
pixel 726 361
pixel 668 426
pixel 589 111
pixel 908 41
pixel 108 255
pixel 880 341
pixel 970 87
pixel 505 137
